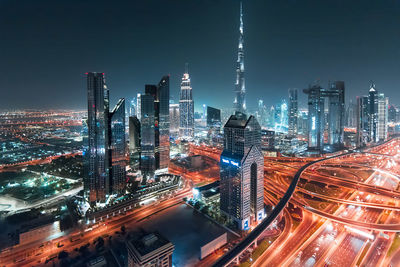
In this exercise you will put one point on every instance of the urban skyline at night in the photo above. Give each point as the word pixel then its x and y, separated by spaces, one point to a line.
pixel 200 133
pixel 279 44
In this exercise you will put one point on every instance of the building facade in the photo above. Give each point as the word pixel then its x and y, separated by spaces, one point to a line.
pixel 118 148
pixel 147 134
pixel 134 142
pixel 174 120
pixel 239 103
pixel 293 112
pixel 242 172
pixel 97 181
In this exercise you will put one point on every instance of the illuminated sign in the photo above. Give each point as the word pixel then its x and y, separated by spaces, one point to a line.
pixel 225 161
pixel 260 215
pixel 246 225
pixel 234 163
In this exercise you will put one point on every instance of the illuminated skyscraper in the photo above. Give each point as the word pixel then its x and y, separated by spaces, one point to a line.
pixel 97 181
pixel 373 113
pixel 147 134
pixel 134 141
pixel 164 121
pixel 118 148
pixel 362 120
pixel 383 104
pixel 331 126
pixel 213 117
pixel 239 103
pixel 138 107
pixel 242 172
pixel 293 112
pixel 186 109
pixel 174 120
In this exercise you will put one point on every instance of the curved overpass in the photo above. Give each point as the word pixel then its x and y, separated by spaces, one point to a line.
pixel 231 255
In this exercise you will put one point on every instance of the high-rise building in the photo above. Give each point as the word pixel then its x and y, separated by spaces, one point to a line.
pixel 383 104
pixel 362 121
pixel 147 135
pixel 293 112
pixel 97 181
pixel 213 117
pixel 336 110
pixel 174 120
pixel 163 122
pixel 262 113
pixel 316 104
pixel 351 115
pixel 239 103
pixel 242 171
pixel 325 115
pixel 392 116
pixel 134 141
pixel 373 113
pixel 118 148
pixel 302 122
pixel 186 109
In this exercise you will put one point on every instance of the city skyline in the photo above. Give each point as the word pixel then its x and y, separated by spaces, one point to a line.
pixel 327 50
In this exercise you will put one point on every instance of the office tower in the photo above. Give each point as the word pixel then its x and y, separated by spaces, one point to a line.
pixel 242 172
pixel 351 115
pixel 147 134
pixel 138 107
pixel 316 103
pixel 213 117
pixel 204 115
pixel 281 117
pixel 326 115
pixel 97 182
pixel 362 121
pixel 186 109
pixel 160 95
pixel 373 113
pixel 149 249
pixel 302 122
pixel 118 148
pixel 382 127
pixel 392 116
pixel 239 104
pixel 134 141
pixel 293 113
pixel 164 122
pixel 174 120
pixel 335 96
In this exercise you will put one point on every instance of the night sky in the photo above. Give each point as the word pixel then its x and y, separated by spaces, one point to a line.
pixel 47 46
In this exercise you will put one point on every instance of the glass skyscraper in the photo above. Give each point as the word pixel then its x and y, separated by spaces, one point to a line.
pixel 242 172
pixel 186 109
pixel 293 112
pixel 118 148
pixel 239 103
pixel 147 134
pixel 97 181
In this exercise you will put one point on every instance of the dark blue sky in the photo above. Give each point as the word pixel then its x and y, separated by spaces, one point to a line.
pixel 47 46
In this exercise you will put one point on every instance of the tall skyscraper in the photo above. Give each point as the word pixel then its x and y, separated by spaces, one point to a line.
pixel 164 121
pixel 118 148
pixel 97 181
pixel 383 114
pixel 262 113
pixel 316 104
pixel 362 121
pixel 147 134
pixel 138 107
pixel 242 172
pixel 351 115
pixel 239 103
pixel 293 112
pixel 174 120
pixel 134 141
pixel 373 113
pixel 326 115
pixel 336 112
pixel 186 109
